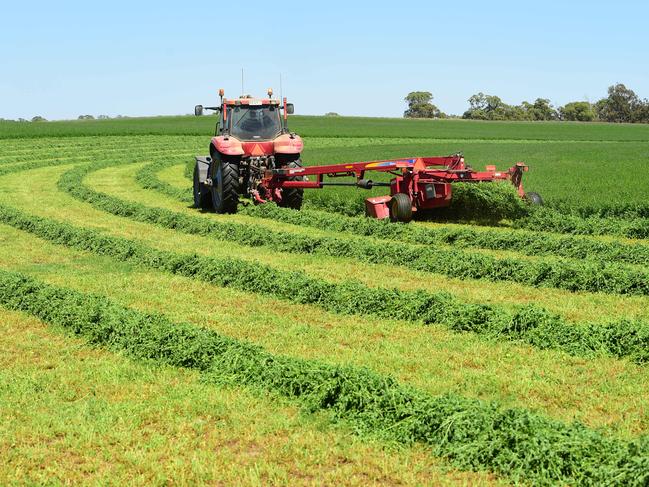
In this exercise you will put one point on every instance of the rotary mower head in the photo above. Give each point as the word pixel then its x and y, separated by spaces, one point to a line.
pixel 419 184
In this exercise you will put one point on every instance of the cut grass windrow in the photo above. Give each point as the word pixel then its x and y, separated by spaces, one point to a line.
pixel 147 178
pixel 627 211
pixel 547 219
pixel 527 242
pixel 472 434
pixel 542 219
pixel 530 324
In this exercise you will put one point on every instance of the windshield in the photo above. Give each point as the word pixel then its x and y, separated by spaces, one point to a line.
pixel 255 122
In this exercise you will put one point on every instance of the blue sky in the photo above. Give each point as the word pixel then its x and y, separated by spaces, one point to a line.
pixel 62 59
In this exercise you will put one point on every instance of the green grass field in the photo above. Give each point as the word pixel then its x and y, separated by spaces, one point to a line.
pixel 310 126
pixel 589 165
pixel 147 342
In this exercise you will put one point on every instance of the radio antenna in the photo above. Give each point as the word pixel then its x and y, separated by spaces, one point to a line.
pixel 242 92
pixel 281 93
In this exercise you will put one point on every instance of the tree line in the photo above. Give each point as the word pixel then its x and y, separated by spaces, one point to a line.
pixel 621 105
pixel 38 118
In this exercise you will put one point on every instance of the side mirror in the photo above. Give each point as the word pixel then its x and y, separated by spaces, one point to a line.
pixel 290 109
pixel 198 110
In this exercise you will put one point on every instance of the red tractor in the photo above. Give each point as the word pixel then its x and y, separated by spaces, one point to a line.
pixel 251 138
pixel 255 155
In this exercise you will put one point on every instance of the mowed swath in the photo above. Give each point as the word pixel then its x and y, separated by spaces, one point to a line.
pixel 600 388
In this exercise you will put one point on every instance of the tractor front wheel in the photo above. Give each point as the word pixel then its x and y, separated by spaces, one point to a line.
pixel 225 184
pixel 400 208
pixel 292 197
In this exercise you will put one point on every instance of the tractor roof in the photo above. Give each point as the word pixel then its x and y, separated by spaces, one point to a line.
pixel 251 101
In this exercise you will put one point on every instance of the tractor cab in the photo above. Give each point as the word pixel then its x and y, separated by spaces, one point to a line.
pixel 252 121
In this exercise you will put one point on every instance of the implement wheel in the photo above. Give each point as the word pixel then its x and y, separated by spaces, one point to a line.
pixel 534 198
pixel 400 208
pixel 202 196
pixel 225 184
pixel 292 197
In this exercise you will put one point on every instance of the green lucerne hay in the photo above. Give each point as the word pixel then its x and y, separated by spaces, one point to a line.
pixel 628 339
pixel 526 242
pixel 471 434
pixel 484 202
pixel 573 276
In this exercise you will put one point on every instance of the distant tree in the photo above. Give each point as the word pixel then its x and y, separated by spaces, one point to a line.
pixel 478 103
pixel 621 105
pixel 543 110
pixel 598 109
pixel 22 120
pixel 38 118
pixel 420 106
pixel 483 103
pixel 487 107
pixel 642 112
pixel 577 111
pixel 86 117
pixel 491 107
pixel 103 117
pixel 332 114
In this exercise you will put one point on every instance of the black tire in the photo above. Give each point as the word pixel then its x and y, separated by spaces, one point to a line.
pixel 202 196
pixel 293 197
pixel 534 198
pixel 400 208
pixel 225 184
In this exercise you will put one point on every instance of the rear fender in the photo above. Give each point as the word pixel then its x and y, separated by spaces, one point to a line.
pixel 228 146
pixel 288 144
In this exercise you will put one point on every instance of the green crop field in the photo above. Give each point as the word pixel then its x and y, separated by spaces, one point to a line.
pixel 146 342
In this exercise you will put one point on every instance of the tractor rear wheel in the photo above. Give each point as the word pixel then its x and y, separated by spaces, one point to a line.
pixel 292 197
pixel 534 198
pixel 400 208
pixel 225 184
pixel 202 196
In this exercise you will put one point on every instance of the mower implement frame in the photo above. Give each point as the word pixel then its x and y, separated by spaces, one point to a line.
pixel 426 181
